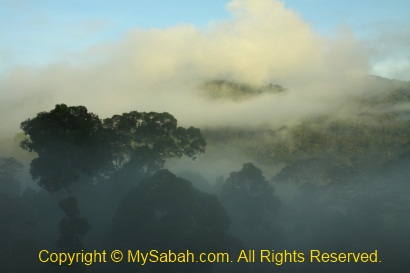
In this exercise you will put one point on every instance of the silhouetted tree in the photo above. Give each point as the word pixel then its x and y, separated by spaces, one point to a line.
pixel 146 140
pixel 69 142
pixel 72 227
pixel 165 212
pixel 252 204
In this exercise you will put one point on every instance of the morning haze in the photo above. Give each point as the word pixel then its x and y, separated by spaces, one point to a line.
pixel 253 143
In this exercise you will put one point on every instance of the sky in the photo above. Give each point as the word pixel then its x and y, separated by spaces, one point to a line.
pixel 116 56
pixel 42 31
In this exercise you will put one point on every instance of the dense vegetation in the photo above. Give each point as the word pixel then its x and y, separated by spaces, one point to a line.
pixel 354 144
pixel 341 185
pixel 229 90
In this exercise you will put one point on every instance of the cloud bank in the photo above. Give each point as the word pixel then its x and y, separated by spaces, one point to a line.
pixel 162 70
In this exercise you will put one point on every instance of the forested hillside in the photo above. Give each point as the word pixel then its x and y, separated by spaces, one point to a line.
pixel 378 134
pixel 330 183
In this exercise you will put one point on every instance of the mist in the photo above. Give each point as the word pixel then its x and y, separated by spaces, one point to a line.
pixel 163 69
pixel 255 132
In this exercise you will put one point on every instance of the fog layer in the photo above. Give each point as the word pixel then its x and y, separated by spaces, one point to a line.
pixel 163 70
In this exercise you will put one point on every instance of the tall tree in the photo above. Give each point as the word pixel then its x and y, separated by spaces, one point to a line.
pixel 69 142
pixel 252 205
pixel 165 212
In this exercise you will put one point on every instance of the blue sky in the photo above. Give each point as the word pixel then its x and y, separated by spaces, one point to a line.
pixel 153 55
pixel 41 31
pixel 362 15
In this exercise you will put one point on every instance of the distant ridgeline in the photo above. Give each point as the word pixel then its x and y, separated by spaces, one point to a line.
pixel 394 92
pixel 324 149
pixel 224 89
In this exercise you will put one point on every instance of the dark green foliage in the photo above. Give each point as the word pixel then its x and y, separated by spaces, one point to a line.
pixel 252 204
pixel 346 143
pixel 72 230
pixel 223 89
pixel 357 145
pixel 166 209
pixel 358 142
pixel 69 142
pixel 146 140
pixel 165 212
pixel 369 210
pixel 73 227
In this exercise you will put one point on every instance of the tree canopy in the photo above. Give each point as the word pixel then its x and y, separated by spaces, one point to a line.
pixel 145 139
pixel 69 142
pixel 252 205
pixel 166 212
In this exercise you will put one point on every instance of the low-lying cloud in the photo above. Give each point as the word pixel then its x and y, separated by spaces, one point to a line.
pixel 162 70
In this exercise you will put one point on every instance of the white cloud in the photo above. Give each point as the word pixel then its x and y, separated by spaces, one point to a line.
pixel 161 69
